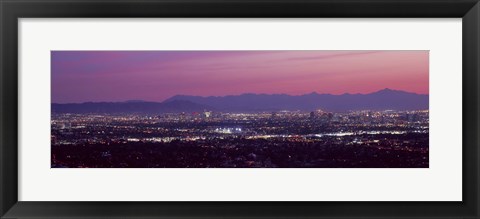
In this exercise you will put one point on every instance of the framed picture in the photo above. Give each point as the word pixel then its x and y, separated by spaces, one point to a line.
pixel 256 109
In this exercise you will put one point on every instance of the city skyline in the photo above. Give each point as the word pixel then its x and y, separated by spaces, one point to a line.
pixel 116 76
pixel 284 139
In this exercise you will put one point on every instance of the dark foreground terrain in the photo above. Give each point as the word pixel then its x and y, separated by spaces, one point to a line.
pixel 228 153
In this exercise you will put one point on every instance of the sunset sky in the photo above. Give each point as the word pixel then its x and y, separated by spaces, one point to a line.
pixel 81 76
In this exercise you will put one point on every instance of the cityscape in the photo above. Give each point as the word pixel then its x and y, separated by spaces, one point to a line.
pixel 379 128
pixel 208 139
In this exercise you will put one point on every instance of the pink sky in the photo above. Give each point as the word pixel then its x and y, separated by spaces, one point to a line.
pixel 81 76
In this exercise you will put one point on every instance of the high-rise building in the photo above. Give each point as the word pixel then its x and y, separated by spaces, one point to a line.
pixel 312 115
pixel 207 114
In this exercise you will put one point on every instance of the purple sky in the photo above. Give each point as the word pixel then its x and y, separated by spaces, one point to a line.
pixel 81 76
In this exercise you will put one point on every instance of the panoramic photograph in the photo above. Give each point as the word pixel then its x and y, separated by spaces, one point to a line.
pixel 240 109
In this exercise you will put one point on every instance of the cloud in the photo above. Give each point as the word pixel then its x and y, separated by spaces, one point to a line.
pixel 329 56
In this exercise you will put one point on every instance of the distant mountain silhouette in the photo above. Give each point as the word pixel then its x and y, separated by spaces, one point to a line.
pixel 385 99
pixel 381 100
pixel 130 107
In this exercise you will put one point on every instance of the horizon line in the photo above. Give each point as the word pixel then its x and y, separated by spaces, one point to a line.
pixel 314 92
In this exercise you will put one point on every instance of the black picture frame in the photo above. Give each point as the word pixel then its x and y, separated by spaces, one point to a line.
pixel 12 10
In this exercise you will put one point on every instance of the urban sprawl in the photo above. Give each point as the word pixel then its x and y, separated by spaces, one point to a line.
pixel 283 139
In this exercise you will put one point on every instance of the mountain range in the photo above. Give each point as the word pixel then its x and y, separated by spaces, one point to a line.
pixel 385 99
